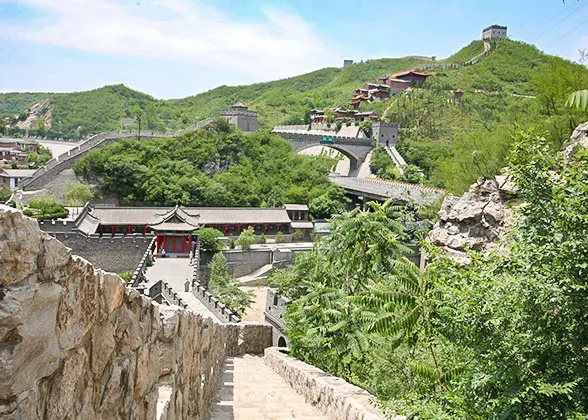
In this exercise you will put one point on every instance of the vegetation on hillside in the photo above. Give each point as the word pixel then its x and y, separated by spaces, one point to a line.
pixel 503 337
pixel 216 166
pixel 452 143
pixel 515 86
pixel 286 101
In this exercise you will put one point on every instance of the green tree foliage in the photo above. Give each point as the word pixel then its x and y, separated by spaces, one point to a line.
pixel 503 336
pixel 382 165
pixel 209 239
pixel 40 157
pixel 246 238
pixel 514 86
pixel 77 194
pixel 5 193
pixel 127 276
pixel 332 201
pixel 225 288
pixel 216 166
pixel 366 127
pixel 45 208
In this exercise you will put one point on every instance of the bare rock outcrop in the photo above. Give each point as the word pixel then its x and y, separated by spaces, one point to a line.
pixel 477 220
pixel 75 343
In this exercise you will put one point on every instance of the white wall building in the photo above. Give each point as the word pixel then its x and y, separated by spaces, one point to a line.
pixel 494 32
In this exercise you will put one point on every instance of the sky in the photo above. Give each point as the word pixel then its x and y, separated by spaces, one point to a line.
pixel 178 48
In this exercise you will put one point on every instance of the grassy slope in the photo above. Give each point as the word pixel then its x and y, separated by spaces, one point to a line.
pixel 455 144
pixel 280 101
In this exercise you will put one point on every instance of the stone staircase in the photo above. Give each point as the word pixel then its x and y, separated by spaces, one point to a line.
pixel 251 390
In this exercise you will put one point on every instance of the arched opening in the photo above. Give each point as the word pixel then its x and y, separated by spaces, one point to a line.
pixel 346 166
pixel 282 342
pixel 275 300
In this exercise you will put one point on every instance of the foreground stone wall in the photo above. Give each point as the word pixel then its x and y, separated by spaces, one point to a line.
pixel 333 396
pixel 76 343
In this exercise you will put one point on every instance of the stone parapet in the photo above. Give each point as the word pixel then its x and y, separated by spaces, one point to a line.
pixel 333 396
pixel 76 343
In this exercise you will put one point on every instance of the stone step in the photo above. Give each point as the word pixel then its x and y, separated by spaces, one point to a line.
pixel 250 390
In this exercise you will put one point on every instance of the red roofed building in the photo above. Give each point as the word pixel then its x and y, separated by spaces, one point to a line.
pixel 413 76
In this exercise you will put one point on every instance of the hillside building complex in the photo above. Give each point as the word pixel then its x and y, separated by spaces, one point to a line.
pixel 494 32
pixel 174 226
pixel 15 150
pixel 241 117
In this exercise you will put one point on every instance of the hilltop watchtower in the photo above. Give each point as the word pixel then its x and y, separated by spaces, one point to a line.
pixel 494 32
pixel 241 117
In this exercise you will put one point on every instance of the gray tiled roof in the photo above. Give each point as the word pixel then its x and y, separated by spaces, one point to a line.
pixel 204 215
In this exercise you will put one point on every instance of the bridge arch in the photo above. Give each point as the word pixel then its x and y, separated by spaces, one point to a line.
pixel 354 159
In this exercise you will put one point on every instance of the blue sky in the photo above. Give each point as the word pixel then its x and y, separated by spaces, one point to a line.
pixel 176 48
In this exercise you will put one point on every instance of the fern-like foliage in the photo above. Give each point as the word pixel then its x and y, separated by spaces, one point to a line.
pixel 578 99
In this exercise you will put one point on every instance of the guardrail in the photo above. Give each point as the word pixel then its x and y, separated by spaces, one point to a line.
pixel 139 274
pixel 222 311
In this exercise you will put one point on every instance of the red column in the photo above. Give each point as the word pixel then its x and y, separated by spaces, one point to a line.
pixel 183 245
pixel 225 229
pixel 145 230
pixel 165 242
pixel 112 230
pixel 278 227
pixel 129 229
pixel 239 228
pixel 190 243
pixel 265 227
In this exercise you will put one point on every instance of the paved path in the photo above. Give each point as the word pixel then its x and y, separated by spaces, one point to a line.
pixel 250 390
pixel 175 272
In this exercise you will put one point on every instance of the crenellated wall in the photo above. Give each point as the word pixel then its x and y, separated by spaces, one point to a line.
pixel 76 343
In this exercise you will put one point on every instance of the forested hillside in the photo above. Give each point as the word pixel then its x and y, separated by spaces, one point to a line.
pixel 452 142
pixel 215 166
pixel 285 101
pixel 516 86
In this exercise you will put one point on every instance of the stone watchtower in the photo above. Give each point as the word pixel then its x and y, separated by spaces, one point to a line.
pixel 241 117
pixel 494 32
pixel 385 134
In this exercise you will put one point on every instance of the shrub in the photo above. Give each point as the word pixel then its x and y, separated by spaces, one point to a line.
pixel 280 237
pixel 209 239
pixel 246 238
pixel 231 243
pixel 262 239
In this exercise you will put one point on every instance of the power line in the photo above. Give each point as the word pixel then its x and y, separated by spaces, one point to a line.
pixel 569 32
pixel 570 14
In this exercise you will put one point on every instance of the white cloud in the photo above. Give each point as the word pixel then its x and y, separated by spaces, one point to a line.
pixel 278 45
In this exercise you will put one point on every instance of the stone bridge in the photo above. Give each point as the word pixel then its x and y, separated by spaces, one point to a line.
pixel 355 148
pixel 370 189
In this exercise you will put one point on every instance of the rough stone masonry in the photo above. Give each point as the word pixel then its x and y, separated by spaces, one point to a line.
pixel 76 343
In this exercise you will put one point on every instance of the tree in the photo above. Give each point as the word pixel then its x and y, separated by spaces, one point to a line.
pixel 246 238
pixel 77 194
pixel 209 239
pixel 366 128
pixel 329 114
pixel 332 201
pixel 45 207
pixel 225 288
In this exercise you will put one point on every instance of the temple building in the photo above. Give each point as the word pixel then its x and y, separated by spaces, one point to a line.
pixel 174 226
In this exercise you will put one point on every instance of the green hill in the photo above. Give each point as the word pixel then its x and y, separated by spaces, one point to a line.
pixel 277 102
pixel 515 85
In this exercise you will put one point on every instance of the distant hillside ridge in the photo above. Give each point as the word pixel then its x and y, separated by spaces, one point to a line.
pixel 286 101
